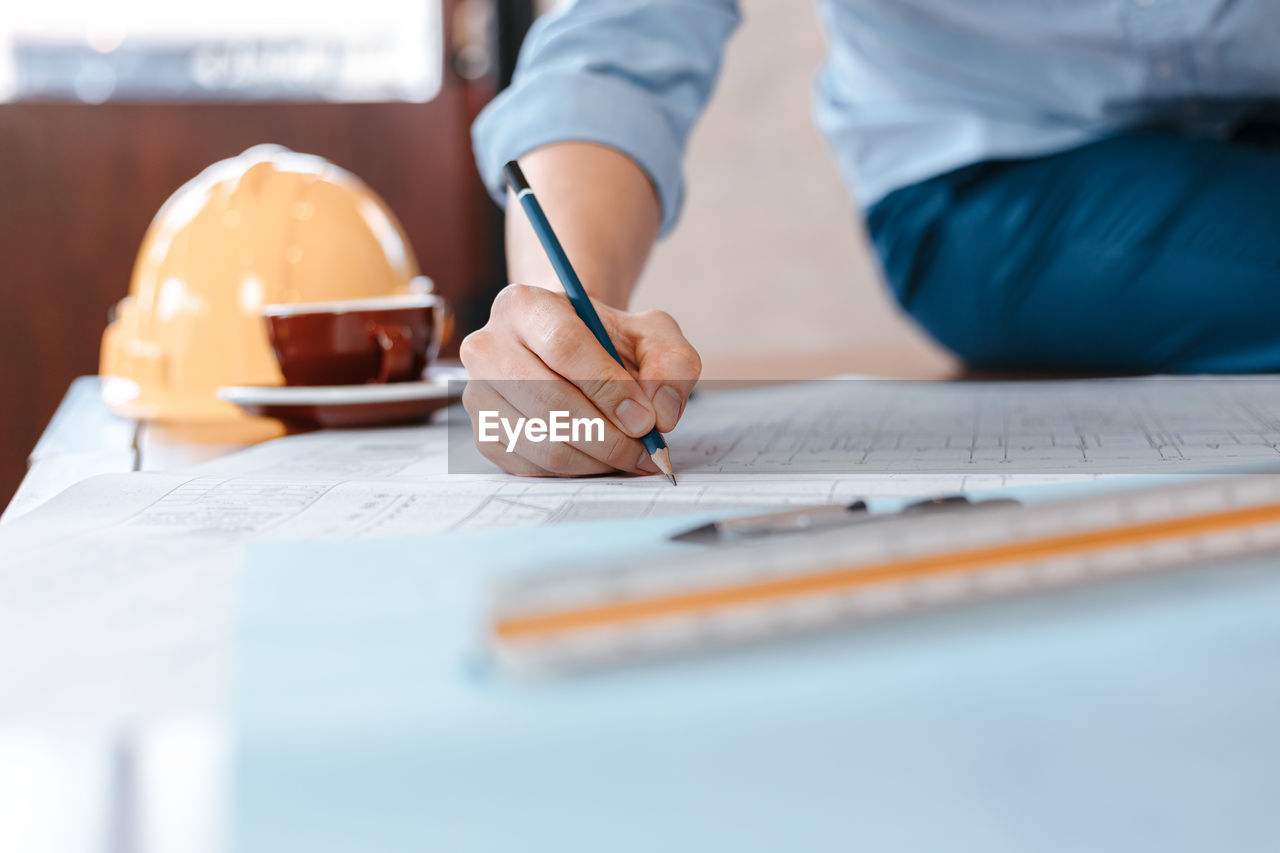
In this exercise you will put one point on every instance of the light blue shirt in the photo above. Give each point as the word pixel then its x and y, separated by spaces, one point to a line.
pixel 910 88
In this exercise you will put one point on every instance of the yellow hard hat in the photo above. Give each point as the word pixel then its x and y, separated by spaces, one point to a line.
pixel 269 226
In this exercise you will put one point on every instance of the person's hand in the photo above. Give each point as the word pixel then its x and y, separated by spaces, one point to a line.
pixel 535 356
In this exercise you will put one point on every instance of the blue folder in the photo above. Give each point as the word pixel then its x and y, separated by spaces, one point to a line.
pixel 1131 717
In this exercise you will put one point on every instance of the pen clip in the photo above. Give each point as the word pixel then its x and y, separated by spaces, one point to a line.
pixel 772 525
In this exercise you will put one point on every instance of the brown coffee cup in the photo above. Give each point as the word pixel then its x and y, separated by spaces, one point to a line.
pixel 356 341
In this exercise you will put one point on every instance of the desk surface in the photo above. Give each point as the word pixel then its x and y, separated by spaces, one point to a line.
pixel 84 439
pixel 69 779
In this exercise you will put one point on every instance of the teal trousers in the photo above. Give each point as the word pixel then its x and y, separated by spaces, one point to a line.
pixel 1147 252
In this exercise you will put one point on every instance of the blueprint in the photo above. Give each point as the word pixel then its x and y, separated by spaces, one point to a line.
pixel 1101 426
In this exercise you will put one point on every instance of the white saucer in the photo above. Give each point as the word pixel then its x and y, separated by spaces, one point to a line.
pixel 435 387
pixel 338 406
pixel 331 395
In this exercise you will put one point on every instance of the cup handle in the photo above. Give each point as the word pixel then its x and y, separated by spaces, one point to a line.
pixel 397 354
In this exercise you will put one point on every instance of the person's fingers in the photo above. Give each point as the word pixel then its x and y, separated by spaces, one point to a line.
pixel 534 336
pixel 558 458
pixel 533 390
pixel 667 364
pixel 478 397
pixel 546 324
pixel 561 459
pixel 539 392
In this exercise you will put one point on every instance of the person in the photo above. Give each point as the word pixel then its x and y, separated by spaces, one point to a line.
pixel 1076 185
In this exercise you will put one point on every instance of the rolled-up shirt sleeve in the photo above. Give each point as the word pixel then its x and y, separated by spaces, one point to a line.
pixel 630 74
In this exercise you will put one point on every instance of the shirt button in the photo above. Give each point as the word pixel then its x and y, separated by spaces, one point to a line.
pixel 1164 70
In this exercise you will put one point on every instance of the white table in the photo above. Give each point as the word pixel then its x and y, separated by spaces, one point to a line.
pixel 95 791
pixel 84 438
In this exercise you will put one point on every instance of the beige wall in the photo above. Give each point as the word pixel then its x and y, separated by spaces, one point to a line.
pixel 768 271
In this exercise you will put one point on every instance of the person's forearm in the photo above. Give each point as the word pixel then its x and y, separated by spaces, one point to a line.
pixel 604 210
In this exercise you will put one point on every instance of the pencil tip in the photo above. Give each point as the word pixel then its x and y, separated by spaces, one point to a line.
pixel 662 458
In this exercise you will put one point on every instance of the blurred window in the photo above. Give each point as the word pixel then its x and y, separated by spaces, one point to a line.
pixel 229 50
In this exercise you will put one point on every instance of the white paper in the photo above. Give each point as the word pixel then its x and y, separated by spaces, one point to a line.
pixel 1095 426
pixel 834 428
pixel 116 597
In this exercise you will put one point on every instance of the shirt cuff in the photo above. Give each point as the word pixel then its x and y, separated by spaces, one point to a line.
pixel 580 107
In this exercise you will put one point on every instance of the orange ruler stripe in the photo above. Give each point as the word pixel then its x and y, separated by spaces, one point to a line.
pixel 843 577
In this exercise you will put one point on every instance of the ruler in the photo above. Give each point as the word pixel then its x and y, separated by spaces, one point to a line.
pixel 727 596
